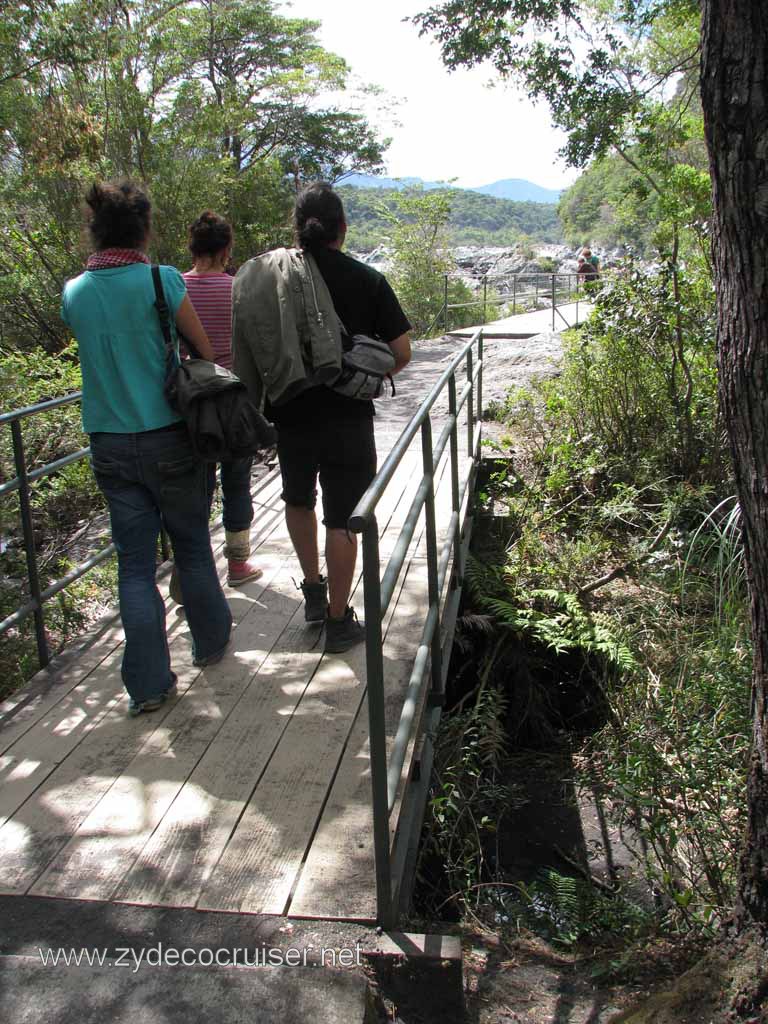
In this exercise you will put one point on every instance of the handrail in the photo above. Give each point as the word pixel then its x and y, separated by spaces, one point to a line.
pixel 518 292
pixel 21 483
pixel 367 504
pixel 378 590
pixel 33 410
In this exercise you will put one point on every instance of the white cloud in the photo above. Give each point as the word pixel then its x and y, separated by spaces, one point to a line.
pixel 451 124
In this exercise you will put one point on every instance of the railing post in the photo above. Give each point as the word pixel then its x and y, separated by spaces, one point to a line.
pixel 445 304
pixel 436 654
pixel 470 406
pixel 374 662
pixel 485 299
pixel 479 403
pixel 29 542
pixel 458 575
pixel 554 303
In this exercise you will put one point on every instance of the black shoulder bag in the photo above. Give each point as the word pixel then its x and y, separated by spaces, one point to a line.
pixel 223 422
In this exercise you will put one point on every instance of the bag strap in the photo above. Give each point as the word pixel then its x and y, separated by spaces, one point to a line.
pixel 313 268
pixel 165 321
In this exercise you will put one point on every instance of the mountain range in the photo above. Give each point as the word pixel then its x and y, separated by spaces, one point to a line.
pixel 517 189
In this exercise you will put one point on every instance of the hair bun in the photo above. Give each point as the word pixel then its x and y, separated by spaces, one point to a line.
pixel 94 197
pixel 209 234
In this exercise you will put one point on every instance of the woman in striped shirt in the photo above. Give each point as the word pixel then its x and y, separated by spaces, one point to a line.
pixel 210 290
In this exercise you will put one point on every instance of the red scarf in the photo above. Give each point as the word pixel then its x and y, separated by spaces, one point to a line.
pixel 106 258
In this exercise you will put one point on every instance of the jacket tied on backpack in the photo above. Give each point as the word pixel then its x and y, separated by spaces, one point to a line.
pixel 285 332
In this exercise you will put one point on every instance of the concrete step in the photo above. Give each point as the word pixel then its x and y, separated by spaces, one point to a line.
pixel 31 992
pixel 89 962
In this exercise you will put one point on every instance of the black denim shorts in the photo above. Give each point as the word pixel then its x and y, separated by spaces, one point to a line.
pixel 340 452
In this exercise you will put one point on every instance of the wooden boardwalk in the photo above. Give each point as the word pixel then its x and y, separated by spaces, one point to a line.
pixel 250 792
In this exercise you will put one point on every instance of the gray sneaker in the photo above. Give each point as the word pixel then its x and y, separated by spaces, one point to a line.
pixel 343 633
pixel 315 600
pixel 136 708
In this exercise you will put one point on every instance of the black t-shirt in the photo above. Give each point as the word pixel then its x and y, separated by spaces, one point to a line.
pixel 365 304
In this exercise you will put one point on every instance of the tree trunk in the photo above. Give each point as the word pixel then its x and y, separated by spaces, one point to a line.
pixel 734 88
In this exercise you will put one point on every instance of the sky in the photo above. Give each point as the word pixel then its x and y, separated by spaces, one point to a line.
pixel 452 125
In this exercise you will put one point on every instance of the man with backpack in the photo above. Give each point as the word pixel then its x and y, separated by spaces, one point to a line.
pixel 293 361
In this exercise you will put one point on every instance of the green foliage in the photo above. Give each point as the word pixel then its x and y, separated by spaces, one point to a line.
pixel 27 378
pixel 621 80
pixel 623 574
pixel 677 751
pixel 558 621
pixel 469 795
pixel 222 104
pixel 670 655
pixel 717 547
pixel 641 196
pixel 474 219
pixel 594 64
pixel 568 910
pixel 416 232
pixel 61 504
pixel 637 399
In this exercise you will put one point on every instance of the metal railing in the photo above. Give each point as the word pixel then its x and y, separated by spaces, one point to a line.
pixel 21 483
pixel 379 589
pixel 556 288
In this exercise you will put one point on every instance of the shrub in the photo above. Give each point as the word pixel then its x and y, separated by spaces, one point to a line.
pixel 637 399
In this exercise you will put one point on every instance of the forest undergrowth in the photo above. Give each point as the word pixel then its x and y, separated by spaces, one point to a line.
pixel 604 642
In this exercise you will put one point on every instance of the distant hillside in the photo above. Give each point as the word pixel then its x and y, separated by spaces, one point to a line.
pixel 517 189
pixel 475 219
pixel 369 181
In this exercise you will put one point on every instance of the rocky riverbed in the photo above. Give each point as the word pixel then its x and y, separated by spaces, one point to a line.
pixel 499 265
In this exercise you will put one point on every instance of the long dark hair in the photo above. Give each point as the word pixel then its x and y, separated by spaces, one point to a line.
pixel 318 216
pixel 209 235
pixel 120 214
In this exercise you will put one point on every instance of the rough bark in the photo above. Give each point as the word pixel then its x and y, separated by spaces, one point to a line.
pixel 734 86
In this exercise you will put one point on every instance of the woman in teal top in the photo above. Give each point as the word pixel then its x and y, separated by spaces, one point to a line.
pixel 140 451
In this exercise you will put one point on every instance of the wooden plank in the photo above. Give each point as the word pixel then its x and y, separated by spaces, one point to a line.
pixel 109 840
pixel 45 822
pixel 101 853
pixel 40 745
pixel 45 704
pixel 158 809
pixel 338 877
pixel 13 724
pixel 174 865
pixel 258 867
pixel 337 880
pixel 415 946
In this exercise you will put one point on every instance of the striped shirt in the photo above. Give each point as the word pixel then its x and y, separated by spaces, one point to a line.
pixel 211 295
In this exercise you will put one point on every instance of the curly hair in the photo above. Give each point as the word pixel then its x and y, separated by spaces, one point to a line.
pixel 120 215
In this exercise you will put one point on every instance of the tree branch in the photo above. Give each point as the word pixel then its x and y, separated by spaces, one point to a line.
pixel 622 570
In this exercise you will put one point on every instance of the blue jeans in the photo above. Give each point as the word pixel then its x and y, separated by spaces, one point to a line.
pixel 147 478
pixel 237 507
